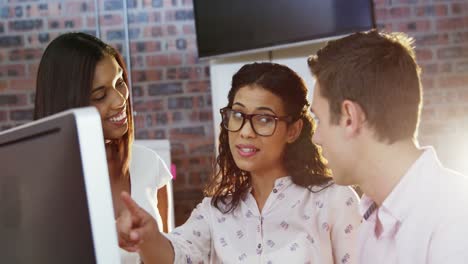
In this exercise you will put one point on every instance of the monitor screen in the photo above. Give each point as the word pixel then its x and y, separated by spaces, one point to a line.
pixel 233 27
pixel 55 199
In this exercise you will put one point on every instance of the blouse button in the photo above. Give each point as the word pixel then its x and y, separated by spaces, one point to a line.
pixel 275 190
pixel 259 245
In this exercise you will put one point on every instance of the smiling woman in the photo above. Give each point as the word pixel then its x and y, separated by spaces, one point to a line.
pixel 79 70
pixel 110 95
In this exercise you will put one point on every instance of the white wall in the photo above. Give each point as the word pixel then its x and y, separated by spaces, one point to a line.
pixel 222 70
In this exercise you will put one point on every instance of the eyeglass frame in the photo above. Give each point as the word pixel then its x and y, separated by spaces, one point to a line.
pixel 287 119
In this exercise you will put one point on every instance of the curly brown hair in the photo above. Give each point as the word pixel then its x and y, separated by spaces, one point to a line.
pixel 303 160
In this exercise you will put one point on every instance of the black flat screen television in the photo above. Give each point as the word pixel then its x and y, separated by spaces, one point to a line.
pixel 240 26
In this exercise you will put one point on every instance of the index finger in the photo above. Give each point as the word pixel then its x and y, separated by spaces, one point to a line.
pixel 131 205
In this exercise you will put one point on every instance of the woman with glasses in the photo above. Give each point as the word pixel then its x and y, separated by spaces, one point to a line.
pixel 271 200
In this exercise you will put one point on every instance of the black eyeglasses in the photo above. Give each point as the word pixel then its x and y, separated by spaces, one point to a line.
pixel 262 124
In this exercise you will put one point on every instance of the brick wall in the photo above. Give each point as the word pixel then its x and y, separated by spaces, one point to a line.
pixel 440 29
pixel 171 90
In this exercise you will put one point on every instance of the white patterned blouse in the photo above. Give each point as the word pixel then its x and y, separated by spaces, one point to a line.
pixel 295 226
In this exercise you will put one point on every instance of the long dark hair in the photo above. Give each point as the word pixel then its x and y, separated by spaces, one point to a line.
pixel 65 77
pixel 302 158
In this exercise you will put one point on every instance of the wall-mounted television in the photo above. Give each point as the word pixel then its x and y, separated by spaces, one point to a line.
pixel 241 26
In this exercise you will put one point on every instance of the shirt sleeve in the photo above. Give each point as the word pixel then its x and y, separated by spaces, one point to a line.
pixel 344 220
pixel 164 175
pixel 192 240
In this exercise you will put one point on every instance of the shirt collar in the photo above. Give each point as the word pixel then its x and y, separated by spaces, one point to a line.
pixel 279 185
pixel 399 202
pixel 405 194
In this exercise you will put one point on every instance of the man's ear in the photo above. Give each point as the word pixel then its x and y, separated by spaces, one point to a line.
pixel 294 130
pixel 353 117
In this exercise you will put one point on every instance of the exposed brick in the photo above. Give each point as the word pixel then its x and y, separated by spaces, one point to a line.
pixel 7 12
pixel 160 31
pixel 432 39
pixel 162 118
pixel 146 75
pixel 40 39
pixel 198 86
pixel 177 117
pixel 23 84
pixel 132 4
pixel 459 80
pixel 424 54
pixel 399 12
pixel 427 83
pixel 158 134
pixel 146 46
pixel 460 37
pixel 9 99
pixel 66 23
pixel 185 73
pixel 446 67
pixel 164 60
pixel 111 19
pixel 115 35
pixel 19 115
pixel 452 52
pixel 49 9
pixel 183 15
pixel 431 68
pixel 32 68
pixel 157 3
pixel 388 27
pixel 160 89
pixel 188 102
pixel 187 132
pixel 452 24
pixel 419 26
pixel 191 58
pixel 155 17
pixel 187 3
pixel 12 70
pixel 462 66
pixel 186 203
pixel 72 7
pixel 202 116
pixel 110 5
pixel 197 178
pixel 25 54
pixel 3 85
pixel 3 116
pixel 191 43
pixel 32 98
pixel 25 25
pixel 11 41
pixel 148 105
pixel 134 33
pixel 459 8
pixel 188 29
pixel 138 18
pixel 90 21
pixel 432 10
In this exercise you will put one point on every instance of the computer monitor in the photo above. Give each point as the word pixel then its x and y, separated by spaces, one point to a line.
pixel 55 197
